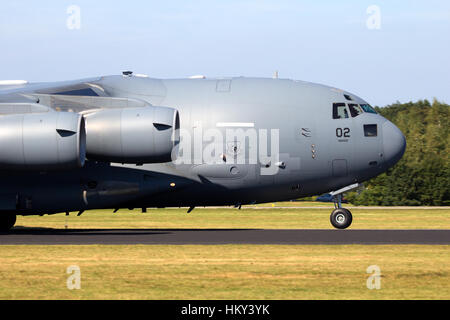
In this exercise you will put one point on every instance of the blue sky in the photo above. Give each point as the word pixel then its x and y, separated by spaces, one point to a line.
pixel 320 41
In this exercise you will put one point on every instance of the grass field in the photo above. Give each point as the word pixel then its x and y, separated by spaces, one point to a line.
pixel 248 217
pixel 225 272
pixel 230 271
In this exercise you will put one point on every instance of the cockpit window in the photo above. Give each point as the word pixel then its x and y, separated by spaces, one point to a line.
pixel 355 110
pixel 340 111
pixel 368 108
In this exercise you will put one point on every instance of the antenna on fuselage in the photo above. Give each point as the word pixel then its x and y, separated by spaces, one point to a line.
pixel 127 73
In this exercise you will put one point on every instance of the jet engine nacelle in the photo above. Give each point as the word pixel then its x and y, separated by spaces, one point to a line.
pixel 132 135
pixel 42 141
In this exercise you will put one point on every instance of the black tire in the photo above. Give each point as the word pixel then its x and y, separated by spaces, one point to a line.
pixel 7 221
pixel 341 218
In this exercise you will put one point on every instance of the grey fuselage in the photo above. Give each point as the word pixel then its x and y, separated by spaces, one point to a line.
pixel 317 153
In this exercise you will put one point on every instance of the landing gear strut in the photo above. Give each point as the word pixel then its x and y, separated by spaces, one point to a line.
pixel 340 218
pixel 7 221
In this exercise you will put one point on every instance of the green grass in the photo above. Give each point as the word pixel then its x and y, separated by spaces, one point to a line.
pixel 273 218
pixel 225 272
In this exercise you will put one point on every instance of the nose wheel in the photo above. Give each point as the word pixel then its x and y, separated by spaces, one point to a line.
pixel 340 218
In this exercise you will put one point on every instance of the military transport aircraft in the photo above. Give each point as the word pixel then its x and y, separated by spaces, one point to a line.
pixel 131 141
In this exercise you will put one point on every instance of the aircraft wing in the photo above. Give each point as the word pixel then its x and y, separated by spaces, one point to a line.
pixel 80 96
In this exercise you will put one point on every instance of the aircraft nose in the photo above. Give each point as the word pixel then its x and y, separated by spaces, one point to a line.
pixel 394 143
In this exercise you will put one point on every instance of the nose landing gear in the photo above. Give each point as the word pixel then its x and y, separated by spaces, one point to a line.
pixel 340 218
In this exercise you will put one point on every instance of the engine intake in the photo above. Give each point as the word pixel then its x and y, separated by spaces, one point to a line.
pixel 133 135
pixel 42 141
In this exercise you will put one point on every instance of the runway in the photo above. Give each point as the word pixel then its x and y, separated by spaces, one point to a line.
pixel 35 236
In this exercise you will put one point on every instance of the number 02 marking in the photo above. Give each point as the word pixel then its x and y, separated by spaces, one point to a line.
pixel 343 132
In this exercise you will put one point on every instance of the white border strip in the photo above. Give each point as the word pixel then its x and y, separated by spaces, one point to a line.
pixel 235 124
